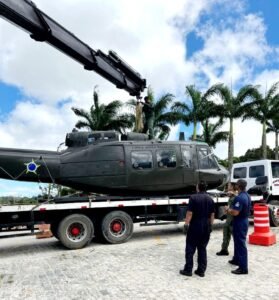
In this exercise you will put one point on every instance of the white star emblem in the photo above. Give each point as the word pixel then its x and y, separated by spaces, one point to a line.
pixel 31 167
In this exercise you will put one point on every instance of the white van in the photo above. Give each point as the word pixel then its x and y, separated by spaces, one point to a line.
pixel 266 172
pixel 251 170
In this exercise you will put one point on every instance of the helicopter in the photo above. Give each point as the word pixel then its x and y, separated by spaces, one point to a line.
pixel 105 162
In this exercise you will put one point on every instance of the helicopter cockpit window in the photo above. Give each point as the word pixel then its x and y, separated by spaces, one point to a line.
pixel 206 159
pixel 166 158
pixel 141 160
pixel 186 156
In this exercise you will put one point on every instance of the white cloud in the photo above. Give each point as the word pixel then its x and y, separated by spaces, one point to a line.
pixel 232 52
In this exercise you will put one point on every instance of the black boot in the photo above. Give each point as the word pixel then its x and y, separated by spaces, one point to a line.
pixel 223 253
pixel 239 271
pixel 185 273
pixel 233 262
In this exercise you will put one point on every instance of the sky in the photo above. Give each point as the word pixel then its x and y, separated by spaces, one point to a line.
pixel 170 43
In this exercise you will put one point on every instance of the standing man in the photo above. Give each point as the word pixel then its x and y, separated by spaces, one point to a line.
pixel 227 229
pixel 148 111
pixel 198 224
pixel 138 120
pixel 240 210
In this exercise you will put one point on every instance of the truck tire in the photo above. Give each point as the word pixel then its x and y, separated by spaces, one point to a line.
pixel 274 213
pixel 75 231
pixel 117 227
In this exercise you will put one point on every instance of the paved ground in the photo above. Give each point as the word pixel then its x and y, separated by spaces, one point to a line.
pixel 146 267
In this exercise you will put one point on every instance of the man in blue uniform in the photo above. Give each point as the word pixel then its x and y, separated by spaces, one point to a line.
pixel 240 209
pixel 198 222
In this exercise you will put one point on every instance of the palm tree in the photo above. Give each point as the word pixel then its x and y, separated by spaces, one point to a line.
pixel 234 107
pixel 273 126
pixel 103 117
pixel 263 108
pixel 163 118
pixel 199 110
pixel 211 134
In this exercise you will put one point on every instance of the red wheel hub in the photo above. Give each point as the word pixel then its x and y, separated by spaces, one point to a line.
pixel 75 231
pixel 116 226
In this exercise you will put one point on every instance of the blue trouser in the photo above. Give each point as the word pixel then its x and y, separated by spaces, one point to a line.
pixel 197 238
pixel 240 229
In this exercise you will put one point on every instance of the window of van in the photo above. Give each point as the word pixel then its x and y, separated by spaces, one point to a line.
pixel 275 169
pixel 256 171
pixel 239 173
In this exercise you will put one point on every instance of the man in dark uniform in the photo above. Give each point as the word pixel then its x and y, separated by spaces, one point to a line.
pixel 148 111
pixel 240 210
pixel 198 223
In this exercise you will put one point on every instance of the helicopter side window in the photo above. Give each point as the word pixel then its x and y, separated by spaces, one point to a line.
pixel 166 158
pixel 141 160
pixel 206 159
pixel 186 156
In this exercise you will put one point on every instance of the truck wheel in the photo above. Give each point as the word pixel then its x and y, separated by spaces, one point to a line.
pixel 117 227
pixel 274 213
pixel 75 231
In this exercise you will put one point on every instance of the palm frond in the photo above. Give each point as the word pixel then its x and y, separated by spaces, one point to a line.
pixel 272 91
pixel 180 107
pixel 221 136
pixel 81 124
pixel 212 91
pixel 163 102
pixel 248 92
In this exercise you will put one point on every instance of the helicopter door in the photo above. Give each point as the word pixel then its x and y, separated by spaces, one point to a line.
pixel 190 176
pixel 168 172
pixel 141 171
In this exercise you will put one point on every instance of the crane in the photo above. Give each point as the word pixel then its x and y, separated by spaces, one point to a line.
pixel 42 28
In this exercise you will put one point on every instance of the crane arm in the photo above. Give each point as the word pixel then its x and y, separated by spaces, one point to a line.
pixel 42 28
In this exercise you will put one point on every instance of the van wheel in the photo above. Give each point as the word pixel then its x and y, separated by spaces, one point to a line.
pixel 117 227
pixel 274 213
pixel 75 231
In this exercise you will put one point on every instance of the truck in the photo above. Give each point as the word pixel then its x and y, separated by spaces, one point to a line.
pixel 75 220
pixel 262 178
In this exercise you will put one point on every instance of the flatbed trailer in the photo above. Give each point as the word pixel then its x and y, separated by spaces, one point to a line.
pixel 74 221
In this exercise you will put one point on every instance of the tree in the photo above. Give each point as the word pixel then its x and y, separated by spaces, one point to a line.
pixel 273 126
pixel 233 107
pixel 163 118
pixel 199 110
pixel 211 134
pixel 263 108
pixel 103 117
pixel 255 154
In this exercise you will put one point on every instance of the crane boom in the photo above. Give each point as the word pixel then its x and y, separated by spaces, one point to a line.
pixel 42 28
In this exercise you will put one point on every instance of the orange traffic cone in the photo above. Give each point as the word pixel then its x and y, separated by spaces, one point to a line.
pixel 262 234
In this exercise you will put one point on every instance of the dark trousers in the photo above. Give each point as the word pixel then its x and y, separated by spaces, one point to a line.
pixel 240 229
pixel 196 240
pixel 227 232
